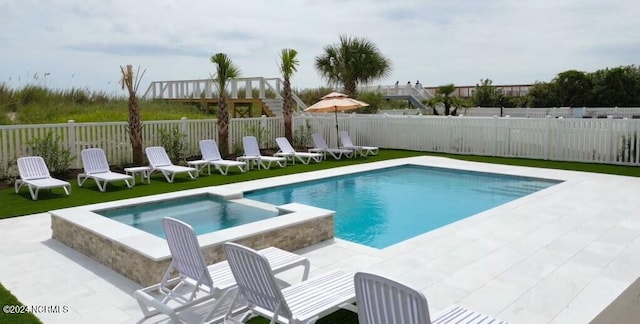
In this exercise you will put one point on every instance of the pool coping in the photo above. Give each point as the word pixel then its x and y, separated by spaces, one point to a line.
pixel 155 247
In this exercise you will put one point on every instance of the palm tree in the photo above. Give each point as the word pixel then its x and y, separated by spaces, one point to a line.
pixel 131 82
pixel 444 95
pixel 288 65
pixel 355 60
pixel 225 70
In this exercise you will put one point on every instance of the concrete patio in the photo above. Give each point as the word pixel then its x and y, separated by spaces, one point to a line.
pixel 561 255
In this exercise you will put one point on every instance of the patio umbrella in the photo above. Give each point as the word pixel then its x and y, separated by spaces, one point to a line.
pixel 335 102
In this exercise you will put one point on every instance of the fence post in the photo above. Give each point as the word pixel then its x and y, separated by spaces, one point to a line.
pixel 208 86
pixel 449 133
pixel 234 89
pixel 183 126
pixel 495 135
pixel 261 92
pixel 71 142
pixel 547 138
pixel 610 139
pixel 248 89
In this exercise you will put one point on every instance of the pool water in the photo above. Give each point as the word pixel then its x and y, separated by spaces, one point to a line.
pixel 205 213
pixel 383 207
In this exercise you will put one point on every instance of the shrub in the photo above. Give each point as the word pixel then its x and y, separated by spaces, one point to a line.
pixel 302 135
pixel 261 134
pixel 174 142
pixel 50 148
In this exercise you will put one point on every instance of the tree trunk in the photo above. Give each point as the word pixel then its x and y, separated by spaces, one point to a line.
pixel 134 127
pixel 351 88
pixel 287 109
pixel 223 126
pixel 135 130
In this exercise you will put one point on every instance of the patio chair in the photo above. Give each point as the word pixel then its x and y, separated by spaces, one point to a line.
pixel 211 156
pixel 321 146
pixel 96 167
pixel 252 154
pixel 159 161
pixel 303 302
pixel 35 174
pixel 190 290
pixel 382 300
pixel 287 151
pixel 345 139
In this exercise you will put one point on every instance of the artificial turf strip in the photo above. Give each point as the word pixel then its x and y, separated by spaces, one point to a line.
pixel 12 204
pixel 6 298
pixel 341 316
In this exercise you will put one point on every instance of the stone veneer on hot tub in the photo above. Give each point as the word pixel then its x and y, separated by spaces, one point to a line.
pixel 143 257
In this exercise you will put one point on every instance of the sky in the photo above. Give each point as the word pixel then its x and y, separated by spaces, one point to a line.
pixel 66 44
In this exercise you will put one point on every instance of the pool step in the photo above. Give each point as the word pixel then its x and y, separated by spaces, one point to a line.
pixel 514 190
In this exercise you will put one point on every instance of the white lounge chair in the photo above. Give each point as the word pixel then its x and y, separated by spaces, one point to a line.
pixel 287 151
pixel 159 161
pixel 303 302
pixel 345 139
pixel 96 167
pixel 191 291
pixel 321 146
pixel 252 154
pixel 35 174
pixel 382 300
pixel 211 156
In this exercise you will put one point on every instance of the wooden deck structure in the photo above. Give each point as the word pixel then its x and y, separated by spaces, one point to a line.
pixel 202 92
pixel 237 107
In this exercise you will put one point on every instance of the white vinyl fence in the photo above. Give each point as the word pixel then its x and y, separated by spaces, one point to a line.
pixel 566 112
pixel 597 140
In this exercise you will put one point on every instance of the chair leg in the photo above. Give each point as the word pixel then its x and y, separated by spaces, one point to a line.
pixel 101 186
pixel 168 176
pixel 18 185
pixel 81 179
pixel 34 193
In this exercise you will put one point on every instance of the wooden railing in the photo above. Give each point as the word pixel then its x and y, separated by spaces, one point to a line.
pixel 207 89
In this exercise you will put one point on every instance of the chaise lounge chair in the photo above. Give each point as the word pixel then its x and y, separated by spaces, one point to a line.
pixel 287 151
pixel 252 154
pixel 198 293
pixel 345 139
pixel 35 174
pixel 321 146
pixel 303 302
pixel 382 300
pixel 211 156
pixel 96 167
pixel 159 161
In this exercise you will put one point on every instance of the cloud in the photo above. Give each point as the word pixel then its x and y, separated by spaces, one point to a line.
pixel 139 49
pixel 436 42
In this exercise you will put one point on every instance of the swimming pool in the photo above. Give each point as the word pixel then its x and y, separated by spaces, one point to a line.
pixel 205 213
pixel 383 207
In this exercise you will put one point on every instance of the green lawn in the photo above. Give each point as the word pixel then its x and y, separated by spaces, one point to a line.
pixel 6 298
pixel 21 204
